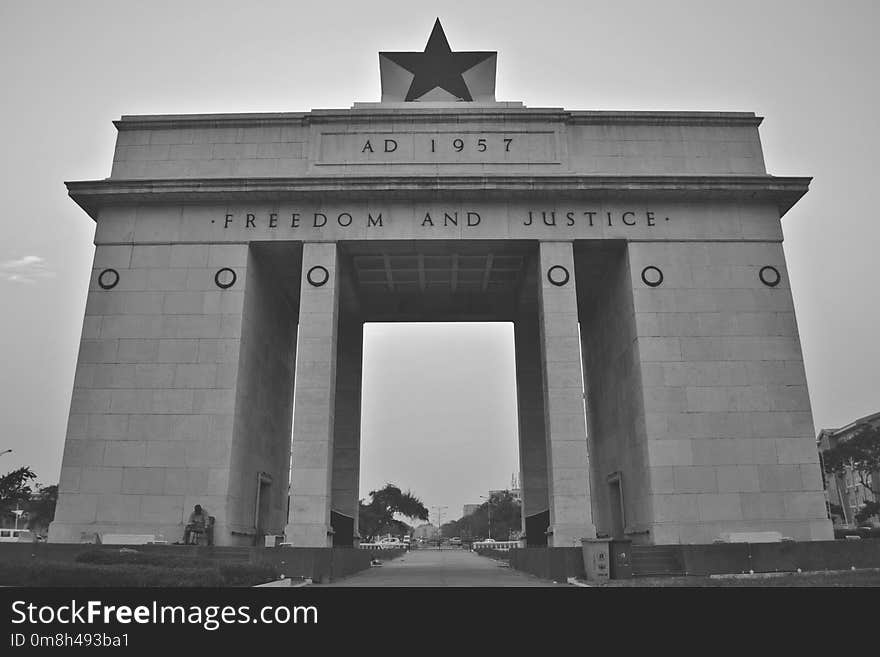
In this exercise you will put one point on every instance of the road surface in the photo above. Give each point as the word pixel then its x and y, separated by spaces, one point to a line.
pixel 432 568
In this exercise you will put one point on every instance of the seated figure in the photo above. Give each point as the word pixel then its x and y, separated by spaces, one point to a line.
pixel 198 521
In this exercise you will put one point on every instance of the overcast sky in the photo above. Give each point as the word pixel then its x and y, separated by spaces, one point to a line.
pixel 439 399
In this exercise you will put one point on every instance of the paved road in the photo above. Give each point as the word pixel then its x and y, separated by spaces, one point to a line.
pixel 431 568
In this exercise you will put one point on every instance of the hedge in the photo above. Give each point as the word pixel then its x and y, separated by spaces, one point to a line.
pixel 129 556
pixel 501 555
pixel 50 573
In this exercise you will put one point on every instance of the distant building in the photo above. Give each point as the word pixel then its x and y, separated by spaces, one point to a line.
pixel 515 493
pixel 427 532
pixel 845 493
pixel 468 509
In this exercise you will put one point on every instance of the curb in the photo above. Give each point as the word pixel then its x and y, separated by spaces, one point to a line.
pixel 286 582
pixel 574 581
pixel 788 573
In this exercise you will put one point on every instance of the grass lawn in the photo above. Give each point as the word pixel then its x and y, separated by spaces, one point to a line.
pixel 834 578
pixel 127 567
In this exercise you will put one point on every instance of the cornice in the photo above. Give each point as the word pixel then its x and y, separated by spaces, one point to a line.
pixel 95 194
pixel 666 118
pixel 477 113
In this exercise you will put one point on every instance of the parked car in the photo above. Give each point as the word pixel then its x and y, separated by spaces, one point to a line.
pixel 863 532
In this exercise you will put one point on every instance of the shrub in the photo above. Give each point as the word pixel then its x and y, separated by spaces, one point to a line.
pixel 245 574
pixel 501 555
pixel 869 510
pixel 133 557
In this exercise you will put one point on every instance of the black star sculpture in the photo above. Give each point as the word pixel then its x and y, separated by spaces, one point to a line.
pixel 438 66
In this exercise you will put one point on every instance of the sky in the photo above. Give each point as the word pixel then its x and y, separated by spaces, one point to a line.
pixel 67 69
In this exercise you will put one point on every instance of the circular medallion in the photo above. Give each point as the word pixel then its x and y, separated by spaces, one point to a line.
pixel 558 275
pixel 108 279
pixel 770 276
pixel 318 275
pixel 652 276
pixel 225 278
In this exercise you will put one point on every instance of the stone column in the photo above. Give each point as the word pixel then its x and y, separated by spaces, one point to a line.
pixel 308 522
pixel 731 444
pixel 532 438
pixel 347 429
pixel 571 515
pixel 150 433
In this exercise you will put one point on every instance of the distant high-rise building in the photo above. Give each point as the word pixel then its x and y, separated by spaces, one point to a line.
pixel 468 509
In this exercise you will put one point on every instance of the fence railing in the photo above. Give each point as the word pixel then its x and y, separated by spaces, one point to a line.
pixel 504 546
pixel 381 546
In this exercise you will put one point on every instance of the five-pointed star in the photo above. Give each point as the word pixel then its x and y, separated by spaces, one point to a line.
pixel 438 66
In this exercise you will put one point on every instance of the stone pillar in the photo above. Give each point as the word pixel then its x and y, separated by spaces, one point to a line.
pixel 308 522
pixel 260 458
pixel 613 385
pixel 571 515
pixel 150 432
pixel 347 429
pixel 532 437
pixel 730 439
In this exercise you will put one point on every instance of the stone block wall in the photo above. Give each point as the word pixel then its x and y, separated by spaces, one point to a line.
pixel 613 382
pixel 308 522
pixel 264 401
pixel 643 146
pixel 151 420
pixel 532 430
pixel 568 476
pixel 215 150
pixel 345 485
pixel 730 438
pixel 332 142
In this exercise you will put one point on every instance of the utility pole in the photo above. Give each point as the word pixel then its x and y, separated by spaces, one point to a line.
pixel 439 523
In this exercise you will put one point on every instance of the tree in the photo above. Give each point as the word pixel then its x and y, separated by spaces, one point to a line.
pixel 506 515
pixel 377 517
pixel 15 489
pixel 859 454
pixel 41 507
pixel 869 510
pixel 505 512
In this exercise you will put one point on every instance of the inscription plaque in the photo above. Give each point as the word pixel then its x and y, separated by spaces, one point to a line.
pixel 434 147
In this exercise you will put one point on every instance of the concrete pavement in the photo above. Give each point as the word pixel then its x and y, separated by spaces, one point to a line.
pixel 438 568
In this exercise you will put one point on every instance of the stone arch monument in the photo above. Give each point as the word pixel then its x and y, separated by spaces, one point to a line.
pixel 661 386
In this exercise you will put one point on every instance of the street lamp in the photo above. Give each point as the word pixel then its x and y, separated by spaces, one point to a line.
pixel 5 451
pixel 17 513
